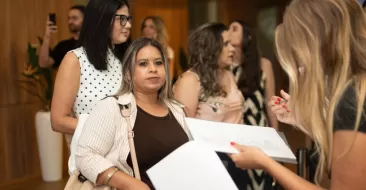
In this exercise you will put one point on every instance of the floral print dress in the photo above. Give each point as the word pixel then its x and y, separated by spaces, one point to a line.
pixel 228 109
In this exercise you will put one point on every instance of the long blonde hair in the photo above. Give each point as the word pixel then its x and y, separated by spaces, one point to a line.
pixel 327 40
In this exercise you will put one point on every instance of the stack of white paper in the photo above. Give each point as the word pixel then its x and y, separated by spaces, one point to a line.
pixel 196 166
pixel 193 166
pixel 219 135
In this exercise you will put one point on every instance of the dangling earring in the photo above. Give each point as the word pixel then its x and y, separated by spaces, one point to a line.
pixel 301 70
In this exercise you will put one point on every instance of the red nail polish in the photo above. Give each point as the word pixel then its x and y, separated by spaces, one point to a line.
pixel 284 106
pixel 288 111
pixel 279 99
pixel 277 103
pixel 232 143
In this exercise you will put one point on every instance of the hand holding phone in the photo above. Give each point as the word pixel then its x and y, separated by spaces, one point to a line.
pixel 52 18
pixel 51 24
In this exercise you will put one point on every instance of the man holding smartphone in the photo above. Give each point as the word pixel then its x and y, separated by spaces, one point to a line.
pixel 54 57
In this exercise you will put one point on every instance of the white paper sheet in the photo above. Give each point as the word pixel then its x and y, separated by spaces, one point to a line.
pixel 193 166
pixel 219 135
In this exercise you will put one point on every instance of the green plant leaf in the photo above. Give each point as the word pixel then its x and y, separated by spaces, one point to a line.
pixel 49 80
pixel 32 56
pixel 31 92
pixel 27 75
pixel 39 78
pixel 32 76
pixel 40 40
pixel 28 82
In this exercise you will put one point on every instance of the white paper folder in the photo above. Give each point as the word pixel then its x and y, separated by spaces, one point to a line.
pixel 193 166
pixel 219 135
pixel 196 165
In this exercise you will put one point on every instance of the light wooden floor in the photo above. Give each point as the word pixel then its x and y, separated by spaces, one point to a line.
pixel 38 184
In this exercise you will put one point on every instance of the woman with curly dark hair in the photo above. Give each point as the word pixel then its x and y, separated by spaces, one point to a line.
pixel 208 89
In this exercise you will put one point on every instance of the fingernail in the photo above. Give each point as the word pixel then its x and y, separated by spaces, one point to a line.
pixel 277 103
pixel 279 99
pixel 284 106
pixel 232 143
pixel 288 111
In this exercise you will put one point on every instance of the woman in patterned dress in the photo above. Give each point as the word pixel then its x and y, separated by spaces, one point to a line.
pixel 254 77
pixel 94 70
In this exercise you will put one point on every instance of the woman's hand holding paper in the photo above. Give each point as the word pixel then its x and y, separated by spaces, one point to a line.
pixel 249 157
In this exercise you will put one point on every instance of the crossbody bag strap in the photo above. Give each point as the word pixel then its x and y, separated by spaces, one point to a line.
pixel 126 113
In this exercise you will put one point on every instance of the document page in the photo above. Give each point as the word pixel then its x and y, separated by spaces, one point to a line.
pixel 219 135
pixel 193 166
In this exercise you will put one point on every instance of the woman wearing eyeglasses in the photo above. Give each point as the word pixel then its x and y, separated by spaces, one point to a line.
pixel 93 71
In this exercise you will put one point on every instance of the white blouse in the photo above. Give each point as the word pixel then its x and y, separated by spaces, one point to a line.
pixel 94 84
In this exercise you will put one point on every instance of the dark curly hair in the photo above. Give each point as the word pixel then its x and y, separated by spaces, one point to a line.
pixel 249 80
pixel 204 48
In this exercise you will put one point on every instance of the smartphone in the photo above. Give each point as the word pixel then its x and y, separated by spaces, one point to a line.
pixel 52 18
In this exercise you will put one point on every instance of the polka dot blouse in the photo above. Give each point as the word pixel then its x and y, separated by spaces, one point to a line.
pixel 94 84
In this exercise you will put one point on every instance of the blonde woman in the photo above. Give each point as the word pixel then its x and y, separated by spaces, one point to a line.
pixel 153 27
pixel 321 45
pixel 157 120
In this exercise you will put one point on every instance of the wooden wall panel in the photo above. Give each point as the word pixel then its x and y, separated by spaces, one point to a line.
pixel 246 10
pixel 174 14
pixel 81 2
pixel 21 22
pixel 21 157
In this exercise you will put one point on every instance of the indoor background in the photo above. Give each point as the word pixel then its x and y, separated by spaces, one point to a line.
pixel 22 21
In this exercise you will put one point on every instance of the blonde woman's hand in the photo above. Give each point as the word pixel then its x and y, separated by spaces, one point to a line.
pixel 249 157
pixel 279 106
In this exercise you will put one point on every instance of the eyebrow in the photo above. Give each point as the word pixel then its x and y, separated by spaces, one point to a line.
pixel 121 15
pixel 160 58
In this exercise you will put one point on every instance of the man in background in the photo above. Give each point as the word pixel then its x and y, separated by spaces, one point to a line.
pixel 54 58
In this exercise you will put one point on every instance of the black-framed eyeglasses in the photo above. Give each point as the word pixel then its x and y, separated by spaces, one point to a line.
pixel 123 19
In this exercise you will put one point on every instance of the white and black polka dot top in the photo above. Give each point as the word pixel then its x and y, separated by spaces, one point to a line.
pixel 94 84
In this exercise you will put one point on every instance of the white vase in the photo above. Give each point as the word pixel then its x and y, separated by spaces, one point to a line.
pixel 49 147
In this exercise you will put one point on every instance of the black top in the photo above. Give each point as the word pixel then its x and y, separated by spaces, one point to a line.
pixel 346 112
pixel 61 49
pixel 155 138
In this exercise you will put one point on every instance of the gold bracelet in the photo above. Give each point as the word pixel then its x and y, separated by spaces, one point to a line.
pixel 109 176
